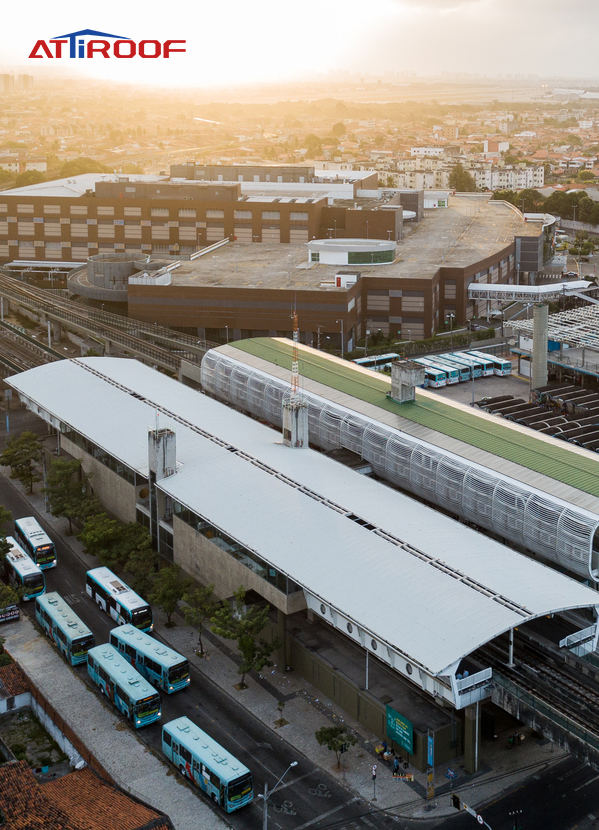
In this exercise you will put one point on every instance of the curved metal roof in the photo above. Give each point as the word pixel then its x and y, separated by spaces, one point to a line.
pixel 425 586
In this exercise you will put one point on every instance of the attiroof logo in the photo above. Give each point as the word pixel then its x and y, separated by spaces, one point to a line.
pixel 88 43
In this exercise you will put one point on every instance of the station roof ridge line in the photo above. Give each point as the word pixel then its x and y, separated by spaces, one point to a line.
pixel 476 616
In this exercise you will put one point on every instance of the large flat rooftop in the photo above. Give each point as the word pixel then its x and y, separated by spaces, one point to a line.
pixel 470 230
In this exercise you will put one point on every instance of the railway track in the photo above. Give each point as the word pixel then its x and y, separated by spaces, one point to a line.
pixel 18 356
pixel 540 673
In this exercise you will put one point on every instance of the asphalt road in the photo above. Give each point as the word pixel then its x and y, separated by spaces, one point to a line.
pixel 309 797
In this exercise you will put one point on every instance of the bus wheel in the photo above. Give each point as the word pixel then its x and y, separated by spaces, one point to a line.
pixel 215 798
pixel 182 771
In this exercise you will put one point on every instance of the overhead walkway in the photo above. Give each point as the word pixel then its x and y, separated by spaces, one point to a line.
pixel 528 293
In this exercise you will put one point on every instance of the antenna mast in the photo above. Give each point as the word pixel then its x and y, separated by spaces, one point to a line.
pixel 295 362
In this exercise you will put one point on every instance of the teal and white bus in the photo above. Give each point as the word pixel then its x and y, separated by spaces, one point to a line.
pixel 118 600
pixel 475 366
pixel 435 375
pixel 156 662
pixel 201 759
pixel 501 366
pixel 23 572
pixel 377 362
pixel 63 626
pixel 35 541
pixel 483 363
pixel 123 686
pixel 464 372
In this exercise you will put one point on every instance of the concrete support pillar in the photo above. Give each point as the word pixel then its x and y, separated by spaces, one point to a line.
pixel 472 738
pixel 282 636
pixel 539 345
pixel 107 347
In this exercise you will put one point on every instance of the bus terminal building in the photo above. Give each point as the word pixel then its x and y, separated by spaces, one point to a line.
pixel 354 569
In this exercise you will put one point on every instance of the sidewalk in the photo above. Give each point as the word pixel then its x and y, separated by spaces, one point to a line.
pixel 306 710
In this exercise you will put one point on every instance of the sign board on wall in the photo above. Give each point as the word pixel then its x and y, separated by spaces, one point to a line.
pixel 400 730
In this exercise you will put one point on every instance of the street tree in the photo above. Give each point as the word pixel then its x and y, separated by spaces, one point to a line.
pixel 335 738
pixel 29 177
pixel 143 564
pixel 22 455
pixel 461 180
pixel 66 488
pixel 168 590
pixel 5 659
pixel 99 535
pixel 9 595
pixel 243 624
pixel 199 609
pixel 5 517
pixel 338 129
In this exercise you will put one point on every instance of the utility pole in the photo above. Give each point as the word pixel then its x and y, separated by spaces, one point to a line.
pixel 341 321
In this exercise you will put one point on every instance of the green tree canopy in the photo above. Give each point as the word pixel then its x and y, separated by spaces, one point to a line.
pixel 199 609
pixel 66 488
pixel 461 180
pixel 586 176
pixel 83 164
pixel 143 564
pixel 22 455
pixel 30 177
pixel 168 590
pixel 338 129
pixel 243 624
pixel 335 738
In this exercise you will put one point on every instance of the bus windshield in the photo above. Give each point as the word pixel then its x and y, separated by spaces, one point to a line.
pixel 45 553
pixel 240 787
pixel 33 582
pixel 82 645
pixel 179 672
pixel 142 617
pixel 148 707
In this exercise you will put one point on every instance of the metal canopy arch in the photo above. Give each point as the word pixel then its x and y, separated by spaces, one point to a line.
pixel 578 327
pixel 551 527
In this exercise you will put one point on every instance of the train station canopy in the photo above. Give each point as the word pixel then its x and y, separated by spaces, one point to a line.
pixel 416 586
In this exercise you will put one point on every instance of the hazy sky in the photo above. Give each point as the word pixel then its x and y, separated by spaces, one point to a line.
pixel 235 41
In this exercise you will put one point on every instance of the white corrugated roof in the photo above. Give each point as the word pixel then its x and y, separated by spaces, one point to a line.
pixel 428 609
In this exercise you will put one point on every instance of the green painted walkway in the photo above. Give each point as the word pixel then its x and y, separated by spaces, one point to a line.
pixel 555 461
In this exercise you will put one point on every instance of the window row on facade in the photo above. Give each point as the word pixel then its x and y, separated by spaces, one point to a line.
pixel 242 554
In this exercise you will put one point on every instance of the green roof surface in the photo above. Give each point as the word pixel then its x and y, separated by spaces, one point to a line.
pixel 555 461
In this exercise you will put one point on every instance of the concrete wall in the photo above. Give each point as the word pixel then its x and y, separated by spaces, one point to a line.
pixel 205 561
pixel 364 708
pixel 116 494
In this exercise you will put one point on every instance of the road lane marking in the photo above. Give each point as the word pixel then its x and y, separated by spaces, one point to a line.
pixel 329 813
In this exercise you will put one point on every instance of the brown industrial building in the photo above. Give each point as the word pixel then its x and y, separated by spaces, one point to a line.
pixel 243 289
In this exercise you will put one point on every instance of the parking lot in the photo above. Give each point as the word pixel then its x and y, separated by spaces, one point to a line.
pixel 489 387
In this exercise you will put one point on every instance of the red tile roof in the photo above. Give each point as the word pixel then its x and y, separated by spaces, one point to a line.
pixel 23 804
pixel 12 681
pixel 77 801
pixel 93 805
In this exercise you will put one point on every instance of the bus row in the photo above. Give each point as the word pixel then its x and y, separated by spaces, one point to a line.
pixel 123 670
pixel 443 369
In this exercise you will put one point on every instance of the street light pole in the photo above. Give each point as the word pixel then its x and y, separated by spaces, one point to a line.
pixel 268 793
pixel 341 321
pixel 451 318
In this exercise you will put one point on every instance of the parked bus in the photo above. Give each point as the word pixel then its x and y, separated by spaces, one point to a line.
pixel 23 572
pixel 201 759
pixel 462 359
pixel 501 366
pixel 35 541
pixel 123 686
pixel 118 600
pixel 485 365
pixel 464 372
pixel 377 362
pixel 63 626
pixel 156 662
pixel 433 377
pixel 451 375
